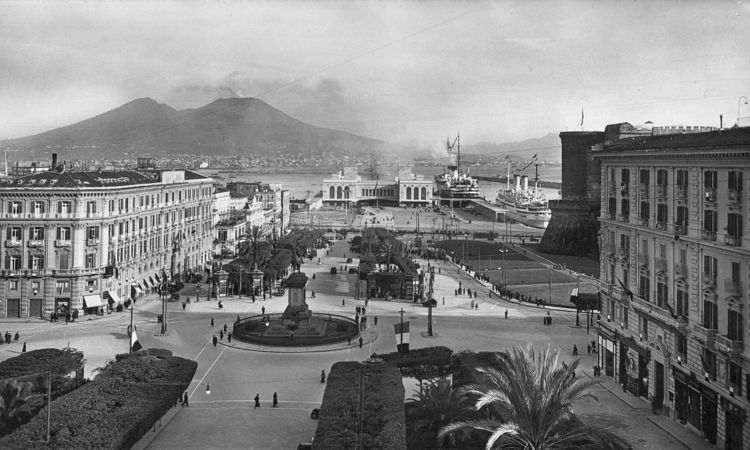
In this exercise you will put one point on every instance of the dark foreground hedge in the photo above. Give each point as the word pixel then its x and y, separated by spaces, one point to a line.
pixel 66 365
pixel 421 363
pixel 374 391
pixel 115 409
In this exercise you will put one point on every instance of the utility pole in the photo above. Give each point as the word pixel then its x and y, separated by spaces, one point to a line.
pixel 429 304
pixel 49 404
pixel 402 325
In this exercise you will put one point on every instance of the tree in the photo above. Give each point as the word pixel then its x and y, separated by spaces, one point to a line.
pixel 387 249
pixel 528 401
pixel 249 249
pixel 369 238
pixel 434 406
pixel 18 403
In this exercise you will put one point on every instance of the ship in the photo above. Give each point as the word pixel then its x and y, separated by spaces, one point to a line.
pixel 454 184
pixel 523 204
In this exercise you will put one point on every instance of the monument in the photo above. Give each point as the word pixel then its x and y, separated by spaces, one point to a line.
pixel 297 309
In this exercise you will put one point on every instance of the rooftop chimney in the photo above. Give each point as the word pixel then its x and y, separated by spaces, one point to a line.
pixel 54 161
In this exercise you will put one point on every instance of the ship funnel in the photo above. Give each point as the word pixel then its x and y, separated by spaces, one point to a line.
pixel 517 181
pixel 525 182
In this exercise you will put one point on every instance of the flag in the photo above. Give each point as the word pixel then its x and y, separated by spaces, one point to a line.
pixel 574 296
pixel 134 344
pixel 402 336
pixel 625 288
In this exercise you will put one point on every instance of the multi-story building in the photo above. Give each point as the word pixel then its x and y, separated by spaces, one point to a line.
pixel 347 188
pixel 675 269
pixel 84 240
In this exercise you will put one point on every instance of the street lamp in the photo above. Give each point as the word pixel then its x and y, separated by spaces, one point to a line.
pixel 208 389
pixel 739 103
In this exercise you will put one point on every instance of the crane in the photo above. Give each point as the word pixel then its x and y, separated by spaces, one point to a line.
pixel 5 152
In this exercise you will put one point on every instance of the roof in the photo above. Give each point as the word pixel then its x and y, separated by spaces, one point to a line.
pixel 190 175
pixel 732 137
pixel 81 179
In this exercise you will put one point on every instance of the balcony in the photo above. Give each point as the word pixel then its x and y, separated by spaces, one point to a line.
pixel 62 242
pixel 624 190
pixel 661 225
pixel 644 222
pixel 680 229
pixel 660 264
pixel 709 280
pixel 709 194
pixel 732 240
pixel 92 241
pixel 735 196
pixel 643 259
pixel 733 287
pixel 643 190
pixel 707 335
pixel 36 242
pixel 12 243
pixel 682 323
pixel 681 192
pixel 623 217
pixel 64 215
pixel 623 253
pixel 661 190
pixel 729 345
pixel 611 215
pixel 708 235
pixel 681 271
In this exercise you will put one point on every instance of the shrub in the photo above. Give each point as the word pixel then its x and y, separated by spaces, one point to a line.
pixel 372 392
pixel 114 410
pixel 66 365
pixel 421 363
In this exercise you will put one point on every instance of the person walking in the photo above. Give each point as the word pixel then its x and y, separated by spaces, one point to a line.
pixel 360 341
pixel 185 400
pixel 183 306
pixel 221 335
pixel 575 350
pixel 16 337
pixel 375 320
pixel 506 314
pixel 215 340
pixel 588 349
pixel 275 400
pixel 343 302
pixel 212 321
pixel 322 376
pixel 257 401
pixel 349 340
pixel 225 328
pixel 229 336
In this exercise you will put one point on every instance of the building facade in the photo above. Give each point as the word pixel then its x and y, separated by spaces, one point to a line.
pixel 86 240
pixel 675 275
pixel 347 188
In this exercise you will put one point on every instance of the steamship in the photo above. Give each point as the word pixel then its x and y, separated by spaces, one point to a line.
pixel 523 204
pixel 453 184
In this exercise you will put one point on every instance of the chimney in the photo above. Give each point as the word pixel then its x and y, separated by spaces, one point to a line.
pixel 517 180
pixel 33 167
pixel 525 182
pixel 54 161
pixel 721 121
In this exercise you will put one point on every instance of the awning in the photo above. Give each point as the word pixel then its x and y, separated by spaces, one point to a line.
pixel 113 297
pixel 145 284
pixel 157 278
pixel 152 281
pixel 137 288
pixel 92 301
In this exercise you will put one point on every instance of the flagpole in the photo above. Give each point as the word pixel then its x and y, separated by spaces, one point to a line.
pixel 130 338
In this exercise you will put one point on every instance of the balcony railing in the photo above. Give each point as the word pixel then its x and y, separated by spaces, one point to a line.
pixel 735 195
pixel 661 225
pixel 36 242
pixel 12 243
pixel 644 222
pixel 92 241
pixel 609 249
pixel 729 345
pixel 710 195
pixel 643 259
pixel 680 229
pixel 707 335
pixel 681 192
pixel 682 323
pixel 622 217
pixel 623 253
pixel 661 190
pixel 708 235
pixel 611 215
pixel 681 271
pixel 643 190
pixel 732 240
pixel 62 242
pixel 733 287
pixel 624 190
pixel 709 280
pixel 660 264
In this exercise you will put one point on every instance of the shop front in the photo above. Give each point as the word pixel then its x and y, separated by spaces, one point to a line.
pixel 113 300
pixel 92 304
pixel 634 360
pixel 734 421
pixel 695 404
pixel 606 346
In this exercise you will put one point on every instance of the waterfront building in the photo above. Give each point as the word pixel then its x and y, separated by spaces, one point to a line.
pixel 86 240
pixel 675 270
pixel 347 188
pixel 274 201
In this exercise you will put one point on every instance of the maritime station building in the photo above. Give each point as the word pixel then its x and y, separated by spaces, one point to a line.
pixel 675 275
pixel 347 188
pixel 87 241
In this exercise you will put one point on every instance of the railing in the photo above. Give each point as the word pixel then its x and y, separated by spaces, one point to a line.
pixel 708 235
pixel 660 264
pixel 624 190
pixel 680 229
pixel 623 253
pixel 609 249
pixel 661 225
pixel 661 190
pixel 62 242
pixel 12 243
pixel 643 259
pixel 709 280
pixel 732 287
pixel 681 192
pixel 681 271
pixel 622 217
pixel 79 271
pixel 710 195
pixel 706 334
pixel 729 345
pixel 682 323
pixel 35 242
pixel 644 222
pixel 611 215
pixel 731 240
pixel 735 195
pixel 92 241
pixel 643 190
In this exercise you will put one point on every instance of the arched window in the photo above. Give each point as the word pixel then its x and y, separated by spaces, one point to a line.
pixel 346 192
pixel 424 193
pixel 338 192
pixel 408 192
pixel 331 192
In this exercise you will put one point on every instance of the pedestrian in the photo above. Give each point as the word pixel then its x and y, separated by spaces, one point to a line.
pixel 257 401
pixel 229 336
pixel 357 310
pixel 506 314
pixel 212 321
pixel 349 340
pixel 375 320
pixel 215 341
pixel 221 335
pixel 476 305
pixel 343 302
pixel 238 319
pixel 67 318
pixel 275 400
pixel 443 304
pixel 7 337
pixel 16 337
pixel 360 342
pixel 322 376
pixel 472 305
pixel 588 349
pixel 575 350
pixel 185 402
pixel 24 348
pixel 263 310
pixel 183 306
pixel 225 328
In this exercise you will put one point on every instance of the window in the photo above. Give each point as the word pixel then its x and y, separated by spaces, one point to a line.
pixel 710 179
pixel 662 177
pixel 90 260
pixel 13 285
pixel 710 267
pixel 625 182
pixel 682 303
pixel 15 207
pixel 682 347
pixel 14 234
pixel 63 233
pixel 710 221
pixel 734 325
pixel 36 233
pixel 612 207
pixel 709 363
pixel 37 207
pixel 35 287
pixel 62 287
pixel 734 225
pixel 63 207
pixel 734 377
pixel 625 318
pixel 36 262
pixel 645 210
pixel 91 207
pixel 643 177
pixel 63 261
pixel 682 220
pixel 661 216
pixel 644 287
pixel 662 292
pixel 625 243
pixel 625 208
pixel 643 327
pixel 710 314
pixel 735 181
pixel 13 262
pixel 682 179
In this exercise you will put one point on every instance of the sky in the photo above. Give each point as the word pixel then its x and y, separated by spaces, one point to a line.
pixel 401 71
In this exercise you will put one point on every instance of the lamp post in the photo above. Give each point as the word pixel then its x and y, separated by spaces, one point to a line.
pixel 739 103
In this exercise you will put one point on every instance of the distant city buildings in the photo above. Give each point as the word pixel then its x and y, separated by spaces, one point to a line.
pixel 347 188
pixel 675 271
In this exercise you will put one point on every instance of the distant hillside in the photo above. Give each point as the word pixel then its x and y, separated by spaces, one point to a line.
pixel 547 148
pixel 232 126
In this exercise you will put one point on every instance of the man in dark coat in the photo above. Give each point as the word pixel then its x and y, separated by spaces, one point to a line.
pixel 275 400
pixel 257 401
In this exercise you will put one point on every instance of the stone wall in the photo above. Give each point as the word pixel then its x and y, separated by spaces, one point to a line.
pixel 573 229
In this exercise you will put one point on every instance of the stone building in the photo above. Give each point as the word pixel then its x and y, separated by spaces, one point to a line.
pixel 86 240
pixel 675 271
pixel 347 188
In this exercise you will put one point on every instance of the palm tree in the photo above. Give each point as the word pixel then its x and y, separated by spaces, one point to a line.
pixel 17 404
pixel 250 252
pixel 528 404
pixel 433 406
pixel 387 249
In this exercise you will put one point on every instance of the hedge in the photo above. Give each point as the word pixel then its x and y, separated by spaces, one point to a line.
pixel 115 409
pixel 373 390
pixel 463 365
pixel 421 363
pixel 63 362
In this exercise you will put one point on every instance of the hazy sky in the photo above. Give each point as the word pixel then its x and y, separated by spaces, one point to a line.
pixel 406 71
